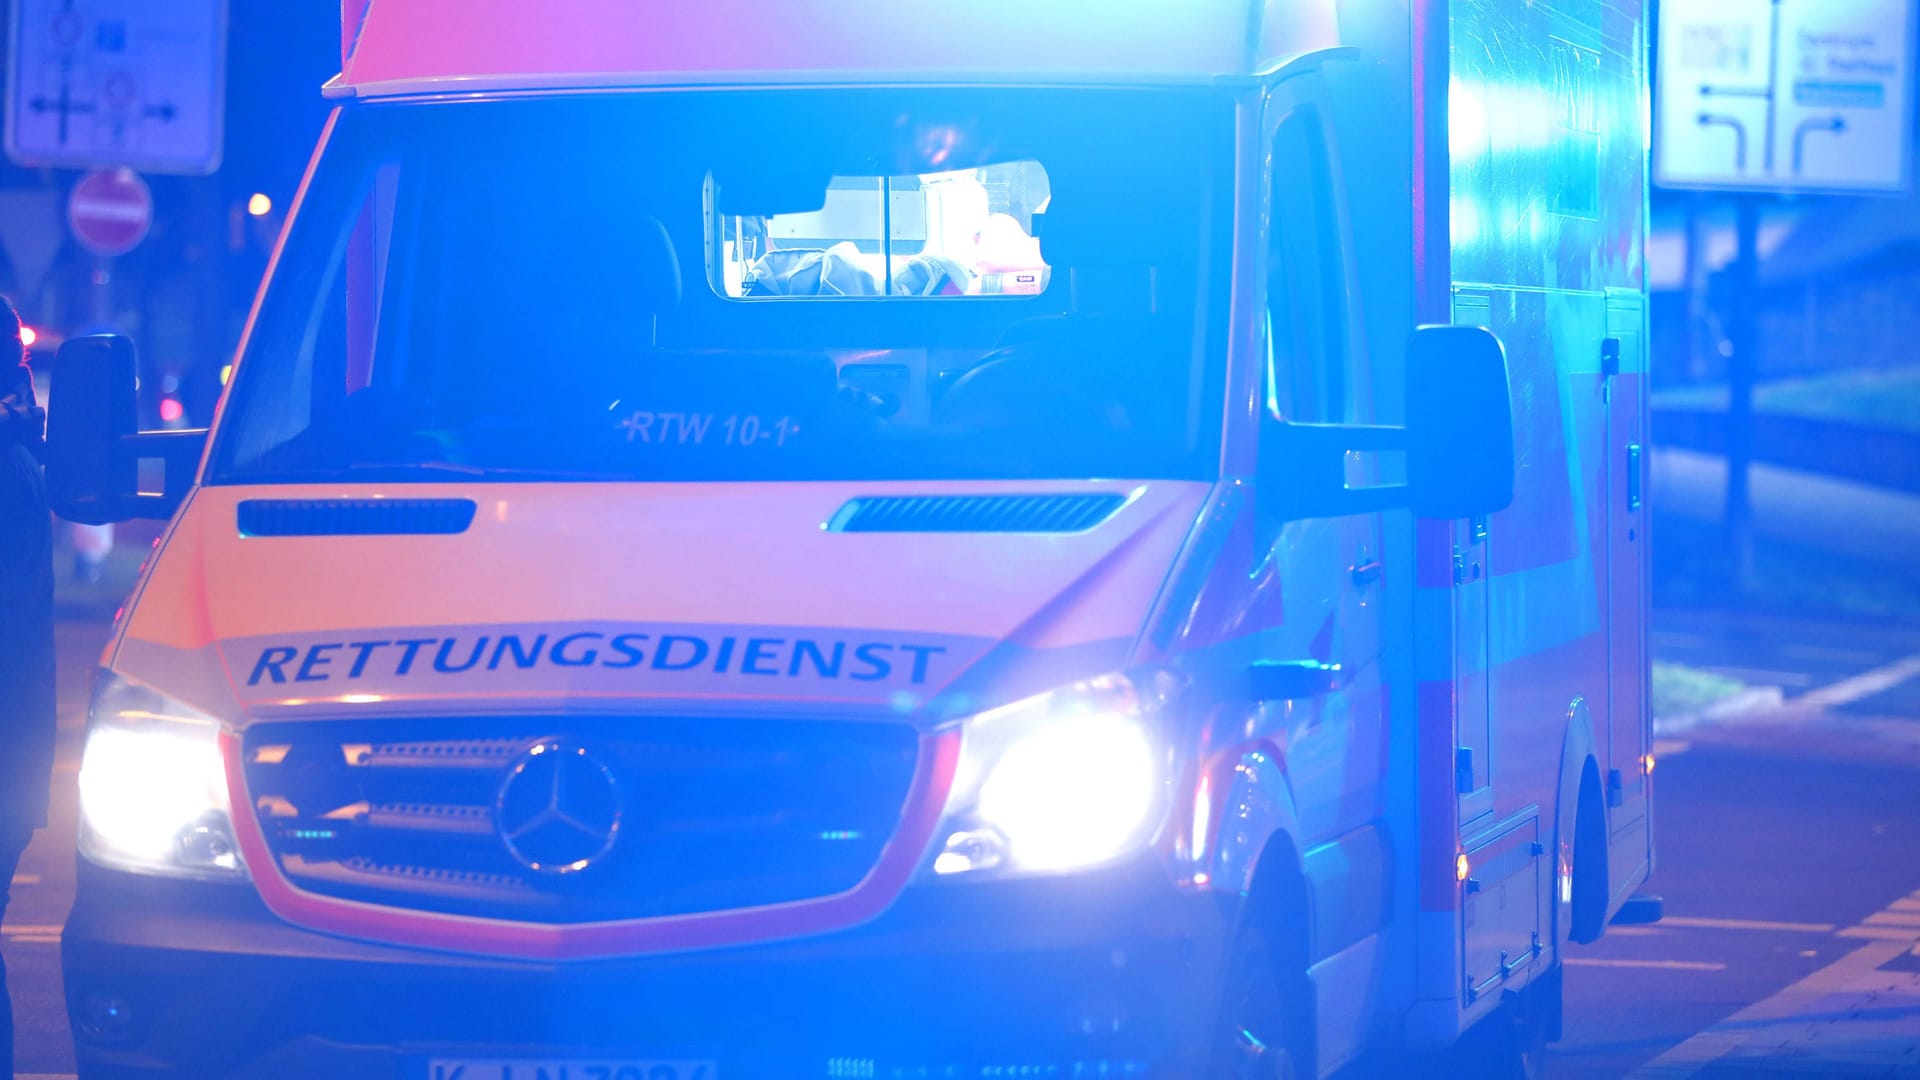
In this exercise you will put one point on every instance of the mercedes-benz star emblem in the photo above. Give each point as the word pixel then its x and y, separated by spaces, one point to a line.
pixel 558 809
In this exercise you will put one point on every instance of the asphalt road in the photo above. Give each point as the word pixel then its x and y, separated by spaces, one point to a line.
pixel 1788 847
pixel 42 887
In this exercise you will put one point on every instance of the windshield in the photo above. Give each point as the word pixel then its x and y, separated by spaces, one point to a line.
pixel 740 285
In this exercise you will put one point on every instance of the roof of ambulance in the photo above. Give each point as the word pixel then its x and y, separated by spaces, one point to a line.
pixel 410 47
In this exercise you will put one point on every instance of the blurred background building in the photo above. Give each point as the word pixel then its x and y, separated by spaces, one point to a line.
pixel 1832 371
pixel 183 292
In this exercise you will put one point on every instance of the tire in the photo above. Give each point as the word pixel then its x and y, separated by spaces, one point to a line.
pixel 1261 1030
pixel 1589 867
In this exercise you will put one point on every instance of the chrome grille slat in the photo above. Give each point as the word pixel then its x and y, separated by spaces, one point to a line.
pixel 470 754
pixel 433 818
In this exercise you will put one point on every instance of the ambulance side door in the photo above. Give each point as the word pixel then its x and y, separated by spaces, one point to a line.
pixel 1331 568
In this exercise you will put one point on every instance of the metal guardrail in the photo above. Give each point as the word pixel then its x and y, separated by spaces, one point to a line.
pixel 1867 455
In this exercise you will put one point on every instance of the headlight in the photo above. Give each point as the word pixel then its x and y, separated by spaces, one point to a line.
pixel 153 789
pixel 1061 781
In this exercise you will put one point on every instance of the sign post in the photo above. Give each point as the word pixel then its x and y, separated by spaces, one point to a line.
pixel 109 212
pixel 104 83
pixel 1779 96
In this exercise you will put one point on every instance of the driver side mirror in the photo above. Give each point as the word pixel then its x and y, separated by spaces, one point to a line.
pixel 94 448
pixel 1460 457
pixel 1457 443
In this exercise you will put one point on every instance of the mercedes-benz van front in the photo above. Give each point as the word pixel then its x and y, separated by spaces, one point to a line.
pixel 689 584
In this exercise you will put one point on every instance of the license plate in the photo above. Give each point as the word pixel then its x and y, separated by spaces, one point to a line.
pixel 557 1069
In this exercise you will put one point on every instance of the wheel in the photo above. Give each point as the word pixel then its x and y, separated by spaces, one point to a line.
pixel 1262 1024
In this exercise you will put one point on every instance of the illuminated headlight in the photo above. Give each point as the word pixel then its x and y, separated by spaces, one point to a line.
pixel 1061 781
pixel 153 788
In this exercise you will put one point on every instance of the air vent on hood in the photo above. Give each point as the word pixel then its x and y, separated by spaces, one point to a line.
pixel 355 517
pixel 976 513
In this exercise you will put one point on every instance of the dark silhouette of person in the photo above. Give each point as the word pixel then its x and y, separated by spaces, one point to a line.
pixel 26 627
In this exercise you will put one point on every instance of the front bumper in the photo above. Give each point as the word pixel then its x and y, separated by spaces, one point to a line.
pixel 1113 970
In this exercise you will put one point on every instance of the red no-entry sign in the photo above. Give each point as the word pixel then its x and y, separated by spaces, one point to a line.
pixel 110 211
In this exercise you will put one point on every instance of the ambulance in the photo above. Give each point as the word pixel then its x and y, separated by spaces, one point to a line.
pixel 858 539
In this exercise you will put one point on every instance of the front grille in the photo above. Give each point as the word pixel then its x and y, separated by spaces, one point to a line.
pixel 714 814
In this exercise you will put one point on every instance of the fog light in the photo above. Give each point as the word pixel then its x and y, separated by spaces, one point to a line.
pixel 105 1018
pixel 975 849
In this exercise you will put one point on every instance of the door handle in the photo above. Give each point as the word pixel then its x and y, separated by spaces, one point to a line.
pixel 1368 572
pixel 1291 680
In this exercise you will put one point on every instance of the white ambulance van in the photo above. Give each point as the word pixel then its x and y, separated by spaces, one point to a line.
pixel 775 538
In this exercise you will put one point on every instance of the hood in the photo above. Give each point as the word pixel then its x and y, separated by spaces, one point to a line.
pixel 267 603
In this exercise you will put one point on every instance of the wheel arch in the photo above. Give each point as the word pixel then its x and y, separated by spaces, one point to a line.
pixel 1258 855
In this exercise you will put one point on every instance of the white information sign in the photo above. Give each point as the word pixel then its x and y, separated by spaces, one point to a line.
pixel 110 83
pixel 1786 95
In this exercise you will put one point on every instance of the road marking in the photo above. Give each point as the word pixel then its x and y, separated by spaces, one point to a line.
pixel 1678 639
pixel 29 930
pixel 1895 918
pixel 1808 997
pixel 1864 685
pixel 1662 965
pixel 45 1076
pixel 1697 923
pixel 1879 933
pixel 26 879
pixel 1906 903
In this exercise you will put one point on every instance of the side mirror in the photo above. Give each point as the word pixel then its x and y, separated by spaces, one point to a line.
pixel 90 410
pixel 1458 440
pixel 1460 450
pixel 94 448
